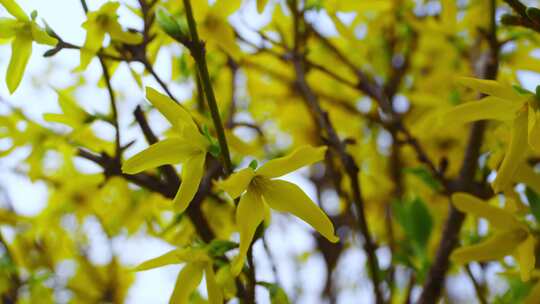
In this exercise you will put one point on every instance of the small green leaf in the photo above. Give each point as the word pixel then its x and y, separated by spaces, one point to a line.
pixel 34 14
pixel 253 164
pixel 416 221
pixel 521 91
pixel 277 294
pixel 424 175
pixel 214 150
pixel 175 28
pixel 534 202
pixel 218 247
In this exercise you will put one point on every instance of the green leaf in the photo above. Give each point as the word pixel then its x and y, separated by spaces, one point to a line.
pixel 253 164
pixel 416 221
pixel 175 28
pixel 218 247
pixel 534 202
pixel 424 175
pixel 277 294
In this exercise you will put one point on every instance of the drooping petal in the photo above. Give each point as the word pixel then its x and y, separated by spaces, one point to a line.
pixel 116 32
pixel 215 296
pixel 492 88
pixel 192 173
pixel 485 109
pixel 188 280
pixel 249 214
pixel 21 49
pixel 299 158
pixel 525 174
pixel 534 128
pixel 171 150
pixel 288 197
pixel 14 9
pixel 514 155
pixel 498 218
pixel 534 294
pixel 8 27
pixel 237 182
pixel 92 44
pixel 176 256
pixel 494 248
pixel 173 112
pixel 168 258
pixel 526 257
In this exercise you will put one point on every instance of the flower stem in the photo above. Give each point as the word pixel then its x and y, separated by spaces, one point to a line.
pixel 197 50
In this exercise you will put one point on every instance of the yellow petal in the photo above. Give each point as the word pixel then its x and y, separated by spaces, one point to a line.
pixel 299 158
pixel 188 280
pixel 525 174
pixel 498 218
pixel 514 155
pixel 486 108
pixel 288 197
pixel 215 296
pixel 92 44
pixel 534 128
pixel 494 248
pixel 192 172
pixel 249 214
pixel 492 88
pixel 173 112
pixel 21 49
pixel 14 9
pixel 168 258
pixel 116 32
pixel 534 295
pixel 260 5
pixel 526 257
pixel 8 27
pixel 237 182
pixel 171 150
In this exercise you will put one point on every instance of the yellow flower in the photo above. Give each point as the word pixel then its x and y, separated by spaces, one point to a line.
pixel 99 23
pixel 512 237
pixel 187 146
pixel 197 261
pixel 505 104
pixel 263 192
pixel 24 30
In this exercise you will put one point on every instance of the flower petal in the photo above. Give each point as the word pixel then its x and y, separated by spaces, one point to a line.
pixel 494 248
pixel 21 49
pixel 249 214
pixel 171 150
pixel 177 116
pixel 299 158
pixel 188 280
pixel 288 197
pixel 92 44
pixel 483 109
pixel 534 128
pixel 514 155
pixel 192 173
pixel 237 182
pixel 525 174
pixel 215 296
pixel 168 258
pixel 8 27
pixel 534 294
pixel 498 218
pixel 41 36
pixel 526 257
pixel 491 87
pixel 116 32
pixel 14 9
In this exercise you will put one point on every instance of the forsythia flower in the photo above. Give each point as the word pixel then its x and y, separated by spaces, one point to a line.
pixel 262 192
pixel 198 261
pixel 188 146
pixel 24 30
pixel 512 236
pixel 99 23
pixel 503 104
